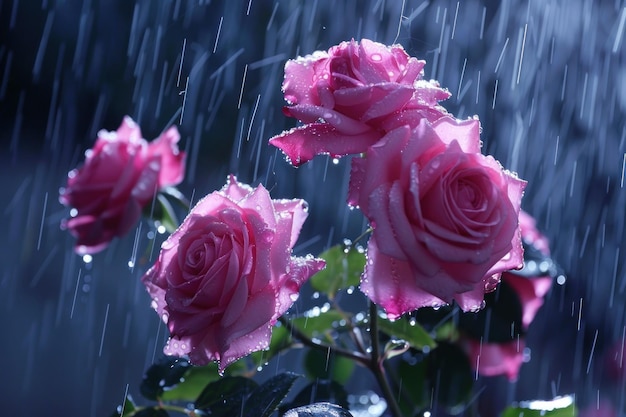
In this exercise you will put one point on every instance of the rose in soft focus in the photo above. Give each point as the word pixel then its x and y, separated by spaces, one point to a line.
pixel 121 174
pixel 506 358
pixel 225 276
pixel 603 408
pixel 350 96
pixel 445 217
pixel 491 359
pixel 615 361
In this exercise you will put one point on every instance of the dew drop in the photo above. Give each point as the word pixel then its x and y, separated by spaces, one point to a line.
pixel 73 212
pixel 294 297
pixel 376 57
pixel 87 258
pixel 335 161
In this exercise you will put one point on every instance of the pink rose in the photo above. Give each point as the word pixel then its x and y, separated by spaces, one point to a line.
pixel 506 358
pixel 350 96
pixel 119 177
pixel 226 274
pixel 445 217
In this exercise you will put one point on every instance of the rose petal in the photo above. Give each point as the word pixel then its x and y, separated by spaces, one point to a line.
pixel 530 292
pixel 301 144
pixel 492 359
pixel 340 122
pixel 172 160
pixel 390 283
pixel 299 74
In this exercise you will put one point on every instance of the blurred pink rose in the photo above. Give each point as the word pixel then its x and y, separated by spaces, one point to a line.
pixel 350 96
pixel 531 292
pixel 604 408
pixel 226 274
pixel 493 359
pixel 445 217
pixel 120 176
pixel 506 358
pixel 615 361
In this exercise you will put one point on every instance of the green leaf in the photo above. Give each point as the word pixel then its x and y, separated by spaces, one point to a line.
pixel 414 389
pixel 318 410
pixel 166 373
pixel 319 365
pixel 174 195
pixel 558 407
pixel 192 384
pixel 266 398
pixel 225 396
pixel 318 323
pixel 343 269
pixel 167 215
pixel 450 376
pixel 197 377
pixel 411 332
pixel 280 341
pixel 127 409
pixel 320 391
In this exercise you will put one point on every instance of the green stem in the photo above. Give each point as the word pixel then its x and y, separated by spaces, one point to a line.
pixel 178 409
pixel 377 364
pixel 362 235
pixel 307 341
pixel 169 407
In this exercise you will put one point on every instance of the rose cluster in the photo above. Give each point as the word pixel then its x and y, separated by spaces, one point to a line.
pixel 444 216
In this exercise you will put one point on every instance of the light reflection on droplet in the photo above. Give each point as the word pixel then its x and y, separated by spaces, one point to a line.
pixel 87 258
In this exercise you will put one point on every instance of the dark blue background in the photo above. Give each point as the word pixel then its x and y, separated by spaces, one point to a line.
pixel 70 68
